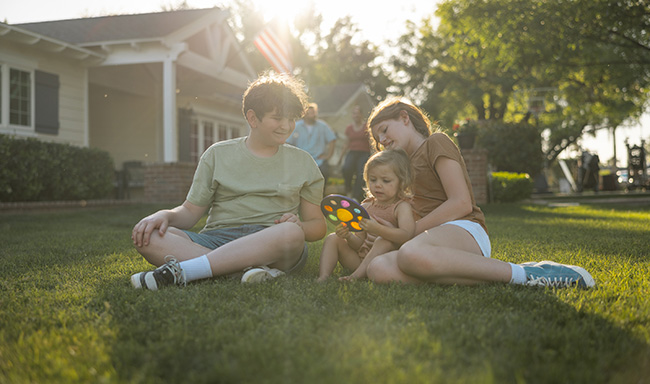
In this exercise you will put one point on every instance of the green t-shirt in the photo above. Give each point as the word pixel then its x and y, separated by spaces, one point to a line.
pixel 241 188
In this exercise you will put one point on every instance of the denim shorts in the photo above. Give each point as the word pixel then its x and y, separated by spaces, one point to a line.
pixel 217 237
pixel 477 232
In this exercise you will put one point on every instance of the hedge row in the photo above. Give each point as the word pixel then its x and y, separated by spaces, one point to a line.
pixel 507 187
pixel 37 171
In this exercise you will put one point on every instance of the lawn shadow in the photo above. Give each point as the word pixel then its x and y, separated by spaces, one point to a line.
pixel 294 330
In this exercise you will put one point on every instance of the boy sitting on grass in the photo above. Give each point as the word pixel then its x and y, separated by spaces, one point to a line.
pixel 263 198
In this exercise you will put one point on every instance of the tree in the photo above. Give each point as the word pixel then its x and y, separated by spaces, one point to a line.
pixel 340 58
pixel 486 59
pixel 335 57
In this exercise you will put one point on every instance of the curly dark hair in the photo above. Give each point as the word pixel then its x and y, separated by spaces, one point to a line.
pixel 280 92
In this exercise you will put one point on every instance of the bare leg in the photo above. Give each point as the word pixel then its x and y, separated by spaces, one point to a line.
pixel 383 269
pixel 443 255
pixel 278 246
pixel 329 256
pixel 336 250
pixel 379 247
pixel 174 242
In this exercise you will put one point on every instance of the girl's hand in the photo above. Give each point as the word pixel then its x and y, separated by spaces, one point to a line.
pixel 373 226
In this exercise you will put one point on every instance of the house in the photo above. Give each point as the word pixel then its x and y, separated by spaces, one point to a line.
pixel 155 88
pixel 335 104
pixel 151 89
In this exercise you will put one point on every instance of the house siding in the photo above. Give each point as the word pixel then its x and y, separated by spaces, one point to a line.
pixel 125 125
pixel 72 98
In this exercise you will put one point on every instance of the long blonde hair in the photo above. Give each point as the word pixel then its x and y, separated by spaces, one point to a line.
pixel 399 162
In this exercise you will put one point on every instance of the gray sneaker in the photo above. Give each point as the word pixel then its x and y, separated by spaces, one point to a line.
pixel 551 274
pixel 259 274
pixel 169 273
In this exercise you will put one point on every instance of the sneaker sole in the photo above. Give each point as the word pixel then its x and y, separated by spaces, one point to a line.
pixel 255 276
pixel 149 280
pixel 135 280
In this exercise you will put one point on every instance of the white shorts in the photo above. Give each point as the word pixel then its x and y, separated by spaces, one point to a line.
pixel 477 232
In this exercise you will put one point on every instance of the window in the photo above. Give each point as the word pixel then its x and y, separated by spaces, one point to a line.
pixel 29 101
pixel 20 97
pixel 204 131
pixel 208 134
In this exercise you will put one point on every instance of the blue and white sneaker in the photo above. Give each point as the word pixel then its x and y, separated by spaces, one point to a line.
pixel 551 274
pixel 169 273
pixel 259 274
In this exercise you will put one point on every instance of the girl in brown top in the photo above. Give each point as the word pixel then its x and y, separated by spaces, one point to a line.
pixel 451 244
pixel 388 179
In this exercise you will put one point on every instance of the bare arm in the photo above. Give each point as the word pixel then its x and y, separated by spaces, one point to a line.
pixel 459 202
pixel 398 235
pixel 390 237
pixel 311 220
pixel 184 217
pixel 355 241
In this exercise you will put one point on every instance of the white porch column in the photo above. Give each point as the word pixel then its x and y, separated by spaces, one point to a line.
pixel 170 130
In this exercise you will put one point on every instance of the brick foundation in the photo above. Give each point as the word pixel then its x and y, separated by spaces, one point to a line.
pixel 167 182
pixel 476 160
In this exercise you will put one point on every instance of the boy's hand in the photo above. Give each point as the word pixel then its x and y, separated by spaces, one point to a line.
pixel 289 218
pixel 142 231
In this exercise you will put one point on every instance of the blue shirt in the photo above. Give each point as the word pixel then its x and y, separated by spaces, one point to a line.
pixel 314 142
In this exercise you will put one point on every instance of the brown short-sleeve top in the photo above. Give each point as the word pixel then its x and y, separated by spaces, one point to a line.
pixel 428 192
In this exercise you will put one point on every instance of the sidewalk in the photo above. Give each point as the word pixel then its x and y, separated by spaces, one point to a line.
pixel 615 197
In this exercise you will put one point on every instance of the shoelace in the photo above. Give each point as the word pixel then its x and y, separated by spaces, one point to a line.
pixel 175 268
pixel 555 282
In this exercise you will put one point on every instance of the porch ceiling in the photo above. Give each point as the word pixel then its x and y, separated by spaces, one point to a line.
pixel 146 80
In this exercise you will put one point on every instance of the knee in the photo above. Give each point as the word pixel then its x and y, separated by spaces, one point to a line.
pixel 379 270
pixel 331 238
pixel 292 235
pixel 413 259
pixel 408 255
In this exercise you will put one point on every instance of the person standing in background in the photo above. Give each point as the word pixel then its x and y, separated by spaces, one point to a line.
pixel 316 137
pixel 356 152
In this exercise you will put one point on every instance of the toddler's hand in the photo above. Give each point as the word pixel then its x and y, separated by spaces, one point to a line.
pixel 342 231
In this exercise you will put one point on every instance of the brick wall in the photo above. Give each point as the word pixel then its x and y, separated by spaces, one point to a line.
pixel 167 182
pixel 476 161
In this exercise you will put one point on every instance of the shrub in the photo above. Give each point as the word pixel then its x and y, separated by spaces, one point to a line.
pixel 512 147
pixel 507 187
pixel 37 171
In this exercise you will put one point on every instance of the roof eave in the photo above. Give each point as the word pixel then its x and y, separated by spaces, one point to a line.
pixel 23 36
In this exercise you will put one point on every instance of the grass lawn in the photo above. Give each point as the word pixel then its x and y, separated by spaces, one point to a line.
pixel 68 312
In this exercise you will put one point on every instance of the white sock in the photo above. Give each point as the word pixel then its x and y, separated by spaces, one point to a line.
pixel 197 268
pixel 518 274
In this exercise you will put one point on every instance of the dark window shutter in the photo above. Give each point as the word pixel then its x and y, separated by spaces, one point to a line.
pixel 46 102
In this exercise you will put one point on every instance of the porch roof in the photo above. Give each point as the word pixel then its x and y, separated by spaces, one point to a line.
pixel 119 28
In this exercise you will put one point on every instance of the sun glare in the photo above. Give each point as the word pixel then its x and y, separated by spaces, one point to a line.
pixel 282 10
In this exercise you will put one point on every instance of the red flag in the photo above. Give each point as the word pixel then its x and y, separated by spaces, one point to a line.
pixel 276 51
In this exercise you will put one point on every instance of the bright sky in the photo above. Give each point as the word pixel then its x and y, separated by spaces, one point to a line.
pixel 378 23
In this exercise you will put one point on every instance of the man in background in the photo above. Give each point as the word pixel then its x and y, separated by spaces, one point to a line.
pixel 316 137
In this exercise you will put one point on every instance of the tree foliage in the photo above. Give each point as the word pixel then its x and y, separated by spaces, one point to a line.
pixel 584 63
pixel 320 58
